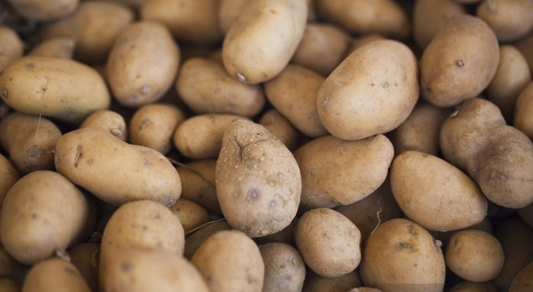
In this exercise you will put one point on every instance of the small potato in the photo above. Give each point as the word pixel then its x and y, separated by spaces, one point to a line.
pixel 9 285
pixel 42 10
pixel 330 244
pixel 281 128
pixel 206 87
pixel 474 255
pixel 509 19
pixel 523 120
pixel 445 236
pixel 108 121
pixel 153 126
pixel 96 160
pixel 57 47
pixel 195 240
pixel 338 172
pixel 466 286
pixel 284 268
pixel 322 48
pixel 257 180
pixel 191 215
pixel 316 283
pixel 293 93
pixel 54 275
pixel 34 208
pixel 8 177
pixel 523 282
pixel 245 55
pixel 350 100
pixel 198 184
pixel 228 12
pixel 36 85
pixel 230 261
pixel 11 46
pixel 85 257
pixel 460 61
pixel 402 256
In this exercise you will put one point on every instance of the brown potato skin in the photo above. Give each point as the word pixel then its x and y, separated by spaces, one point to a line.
pixel 85 257
pixel 228 12
pixel 459 62
pixel 316 283
pixel 281 128
pixel 431 15
pixel 524 45
pixel 466 286
pixel 198 184
pixel 191 215
pixel 510 20
pixel 522 282
pixel 42 10
pixel 109 121
pixel 11 46
pixel 57 47
pixel 363 40
pixel 8 177
pixel 284 268
pixel 196 239
pixel 522 115
pixel 54 275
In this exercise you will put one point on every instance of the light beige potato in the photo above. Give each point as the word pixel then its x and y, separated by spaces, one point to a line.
pixel 54 275
pixel 363 16
pixel 84 257
pixel 8 177
pixel 108 121
pixel 459 62
pixel 293 93
pixel 523 282
pixel 257 180
pixel 57 47
pixel 350 100
pixel 228 12
pixel 11 46
pixel 281 128
pixel 193 22
pixel 34 208
pixel 526 214
pixel 96 161
pixel 316 283
pixel 338 172
pixel 509 19
pixel 436 194
pixel 230 261
pixel 153 126
pixel 330 244
pixel 244 53
pixel 94 25
pixel 195 240
pixel 322 48
pixel 525 45
pixel 363 40
pixel 36 85
pixel 9 285
pixel 284 268
pixel 511 78
pixel 402 256
pixel 466 286
pixel 206 87
pixel 191 215
pixel 523 119
pixel 39 10
pixel 198 184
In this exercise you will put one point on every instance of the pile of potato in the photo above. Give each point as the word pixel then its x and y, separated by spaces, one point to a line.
pixel 266 145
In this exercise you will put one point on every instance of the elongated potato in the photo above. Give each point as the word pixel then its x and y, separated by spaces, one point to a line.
pixel 523 120
pixel 40 10
pixel 198 184
pixel 85 257
pixel 509 19
pixel 97 161
pixel 244 53
pixel 350 100
pixel 33 210
pixel 54 275
pixel 10 45
pixel 281 128
pixel 284 268
pixel 108 121
pixel 57 47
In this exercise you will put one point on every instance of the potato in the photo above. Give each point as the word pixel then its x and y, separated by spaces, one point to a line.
pixel 293 93
pixel 9 285
pixel 8 177
pixel 524 45
pixel 153 126
pixel 330 244
pixel 284 268
pixel 257 180
pixel 474 255
pixel 206 87
pixel 526 214
pixel 286 235
pixel 316 283
pixel 363 40
pixel 34 208
pixel 230 261
pixel 445 236
pixel 195 240
pixel 523 281
pixel 402 256
pixel 337 172
pixel 94 25
pixel 361 16
pixel 36 85
pixel 228 12
pixel 57 47
pixel 466 286
pixel 54 275
pixel 96 160
pixel 459 62
pixel 39 10
pixel 522 117
pixel 108 121
pixel 11 46
pixel 450 200
pixel 511 78
pixel 85 257
pixel 245 55
pixel 189 21
pixel 322 48
pixel 350 100
pixel 281 128
pixel 191 215
pixel 198 184
pixel 509 19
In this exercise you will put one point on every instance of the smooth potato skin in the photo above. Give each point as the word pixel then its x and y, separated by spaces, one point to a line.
pixel 11 46
pixel 54 275
pixel 510 20
pixel 42 10
pixel 196 239
pixel 284 268
pixel 57 47
pixel 191 215
pixel 281 128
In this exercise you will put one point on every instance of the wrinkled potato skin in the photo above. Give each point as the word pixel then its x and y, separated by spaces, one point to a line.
pixel 35 85
pixel 281 128
pixel 228 13
pixel 85 257
pixel 42 10
pixel 523 120
pixel 195 240
pixel 429 16
pixel 198 184
pixel 57 47
pixel 11 46
pixel 284 268
pixel 92 159
pixel 191 215
pixel 32 210
pixel 54 275
pixel 510 20
pixel 108 121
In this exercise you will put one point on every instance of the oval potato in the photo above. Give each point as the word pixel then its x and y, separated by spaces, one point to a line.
pixel 198 184
pixel 509 19
pixel 191 215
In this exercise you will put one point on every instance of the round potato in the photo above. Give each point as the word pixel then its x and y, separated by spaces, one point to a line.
pixel 198 184
pixel 42 10
pixel 11 46
pixel 57 47
pixel 195 240
pixel 284 268
pixel 191 215
pixel 316 283
pixel 509 19
pixel 54 275
pixel 85 257
pixel 228 12
pixel 108 121
pixel 523 120
pixel 281 128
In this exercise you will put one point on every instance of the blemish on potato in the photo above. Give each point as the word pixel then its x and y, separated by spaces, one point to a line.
pixel 460 64
pixel 127 266
pixel 253 195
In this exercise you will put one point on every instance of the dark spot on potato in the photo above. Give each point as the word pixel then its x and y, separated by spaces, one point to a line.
pixel 253 195
pixel 127 266
pixel 403 245
pixel 460 64
pixel 273 11
pixel 412 230
pixel 209 279
pixel 30 65
pixel 33 215
pixel 3 93
pixel 78 156
pixel 157 216
pixel 90 161
pixel 144 124
pixel 385 85
pixel 145 227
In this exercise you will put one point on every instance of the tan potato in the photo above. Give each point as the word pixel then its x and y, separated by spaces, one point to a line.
pixel 230 261
pixel 41 10
pixel 108 121
pixel 466 286
pixel 153 126
pixel 96 160
pixel 509 19
pixel 402 256
pixel 445 236
pixel 9 285
pixel 293 93
pixel 523 120
pixel 33 210
pixel 284 268
pixel 350 100
pixel 257 180
pixel 11 46
pixel 198 184
pixel 526 214
pixel 54 275
pixel 523 281
pixel 338 172
pixel 316 283
pixel 36 85
pixel 281 128
pixel 94 25
pixel 245 55
pixel 286 235
pixel 511 78
pixel 8 177
pixel 191 215
pixel 330 244
pixel 361 16
pixel 460 61
pixel 228 12
pixel 525 46
pixel 206 87
pixel 189 21
pixel 85 257
pixel 57 47
pixel 195 240
pixel 322 48
pixel 363 40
